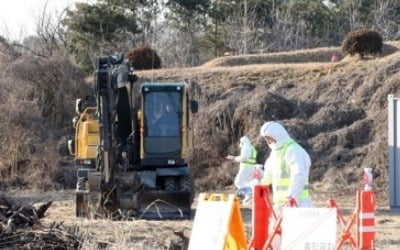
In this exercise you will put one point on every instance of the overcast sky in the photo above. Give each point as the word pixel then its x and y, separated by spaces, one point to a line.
pixel 18 17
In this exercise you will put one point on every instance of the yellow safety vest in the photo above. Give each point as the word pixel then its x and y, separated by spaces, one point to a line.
pixel 251 161
pixel 281 177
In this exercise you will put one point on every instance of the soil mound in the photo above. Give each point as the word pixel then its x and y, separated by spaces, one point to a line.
pixel 318 55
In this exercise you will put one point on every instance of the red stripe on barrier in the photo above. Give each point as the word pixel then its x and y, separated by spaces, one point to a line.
pixel 366 220
pixel 261 214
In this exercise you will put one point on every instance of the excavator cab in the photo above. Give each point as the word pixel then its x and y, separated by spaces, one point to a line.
pixel 164 136
pixel 139 145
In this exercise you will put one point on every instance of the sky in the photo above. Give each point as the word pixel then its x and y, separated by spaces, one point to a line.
pixel 18 17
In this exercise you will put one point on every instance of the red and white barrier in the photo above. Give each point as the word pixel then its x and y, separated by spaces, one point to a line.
pixel 363 216
pixel 262 210
pixel 366 220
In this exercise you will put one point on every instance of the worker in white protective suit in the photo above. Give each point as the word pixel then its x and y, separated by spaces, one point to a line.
pixel 287 168
pixel 247 160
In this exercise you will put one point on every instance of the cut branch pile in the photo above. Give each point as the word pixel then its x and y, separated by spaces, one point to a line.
pixel 20 227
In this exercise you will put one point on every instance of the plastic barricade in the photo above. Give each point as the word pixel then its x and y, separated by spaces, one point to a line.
pixel 262 210
pixel 218 224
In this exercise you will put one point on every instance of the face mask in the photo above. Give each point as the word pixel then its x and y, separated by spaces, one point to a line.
pixel 272 146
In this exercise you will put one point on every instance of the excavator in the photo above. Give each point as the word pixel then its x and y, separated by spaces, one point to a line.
pixel 131 146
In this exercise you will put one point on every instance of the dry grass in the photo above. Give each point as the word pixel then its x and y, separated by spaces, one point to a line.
pixel 337 110
pixel 106 234
pixel 300 56
pixel 37 100
pixel 146 235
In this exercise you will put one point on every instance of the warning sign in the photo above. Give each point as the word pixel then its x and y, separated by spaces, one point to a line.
pixel 217 223
pixel 308 228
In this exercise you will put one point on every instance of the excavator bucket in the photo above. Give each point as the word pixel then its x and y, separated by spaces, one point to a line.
pixel 161 205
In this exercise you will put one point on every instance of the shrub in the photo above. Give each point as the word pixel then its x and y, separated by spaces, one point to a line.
pixel 37 109
pixel 363 42
pixel 144 58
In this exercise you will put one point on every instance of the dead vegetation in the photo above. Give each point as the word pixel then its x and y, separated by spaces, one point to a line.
pixel 337 110
pixel 37 97
pixel 145 234
pixel 20 227
pixel 300 56
pixel 318 55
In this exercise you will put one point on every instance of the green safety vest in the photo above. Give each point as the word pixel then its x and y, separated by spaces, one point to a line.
pixel 251 161
pixel 281 178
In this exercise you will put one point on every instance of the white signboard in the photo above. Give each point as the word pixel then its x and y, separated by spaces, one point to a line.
pixel 308 228
pixel 210 226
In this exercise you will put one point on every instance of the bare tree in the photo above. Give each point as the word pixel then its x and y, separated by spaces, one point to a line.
pixel 176 47
pixel 49 30
pixel 284 32
pixel 243 33
pixel 386 21
pixel 49 34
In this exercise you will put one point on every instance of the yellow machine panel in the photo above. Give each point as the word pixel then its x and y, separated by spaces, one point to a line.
pixel 87 137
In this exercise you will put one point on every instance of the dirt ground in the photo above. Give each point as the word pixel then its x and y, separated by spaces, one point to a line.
pixel 146 235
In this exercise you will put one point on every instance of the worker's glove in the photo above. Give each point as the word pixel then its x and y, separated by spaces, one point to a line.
pixel 258 173
pixel 290 202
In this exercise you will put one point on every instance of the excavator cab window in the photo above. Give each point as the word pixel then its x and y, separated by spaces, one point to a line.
pixel 162 114
pixel 162 122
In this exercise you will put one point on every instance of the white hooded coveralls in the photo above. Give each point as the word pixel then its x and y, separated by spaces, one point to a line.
pixel 246 170
pixel 295 158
